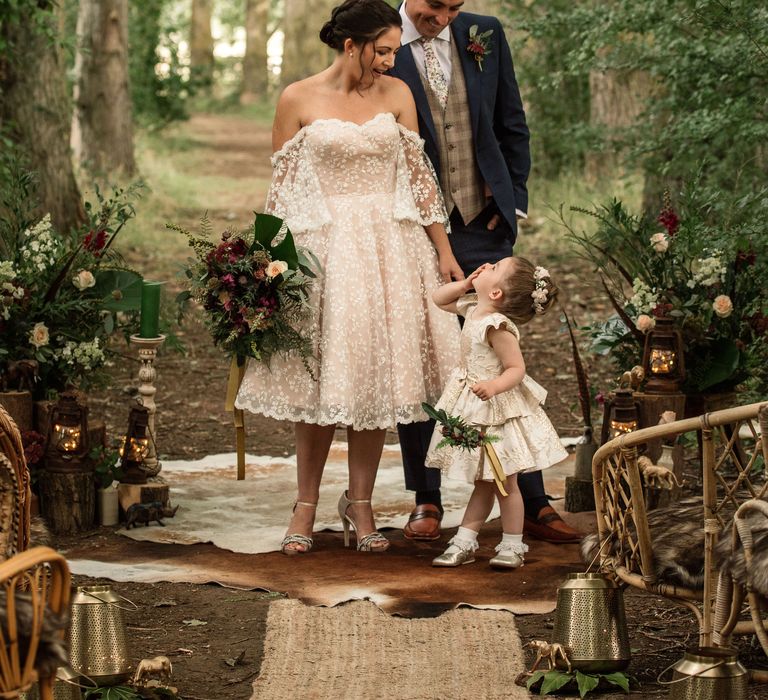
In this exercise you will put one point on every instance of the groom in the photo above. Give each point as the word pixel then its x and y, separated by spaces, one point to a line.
pixel 472 120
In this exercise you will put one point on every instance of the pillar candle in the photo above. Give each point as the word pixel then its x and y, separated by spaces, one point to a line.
pixel 149 325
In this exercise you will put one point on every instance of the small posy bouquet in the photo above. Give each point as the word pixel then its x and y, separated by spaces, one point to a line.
pixel 456 432
pixel 254 288
pixel 479 44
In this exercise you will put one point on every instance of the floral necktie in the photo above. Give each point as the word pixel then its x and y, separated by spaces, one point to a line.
pixel 434 71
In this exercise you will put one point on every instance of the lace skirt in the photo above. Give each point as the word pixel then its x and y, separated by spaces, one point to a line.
pixel 381 345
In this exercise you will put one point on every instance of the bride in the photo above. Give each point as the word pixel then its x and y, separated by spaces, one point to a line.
pixel 354 186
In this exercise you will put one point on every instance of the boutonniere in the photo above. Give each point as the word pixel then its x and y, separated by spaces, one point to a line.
pixel 479 44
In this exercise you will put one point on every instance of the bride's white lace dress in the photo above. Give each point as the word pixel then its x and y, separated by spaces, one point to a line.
pixel 358 196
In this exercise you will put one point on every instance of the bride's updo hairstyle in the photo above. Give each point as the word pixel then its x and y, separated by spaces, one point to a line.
pixel 528 291
pixel 363 21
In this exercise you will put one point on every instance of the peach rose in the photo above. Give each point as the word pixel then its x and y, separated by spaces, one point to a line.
pixel 275 268
pixel 83 280
pixel 660 242
pixel 38 336
pixel 644 323
pixel 722 305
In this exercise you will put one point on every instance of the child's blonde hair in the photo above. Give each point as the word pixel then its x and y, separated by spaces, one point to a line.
pixel 524 292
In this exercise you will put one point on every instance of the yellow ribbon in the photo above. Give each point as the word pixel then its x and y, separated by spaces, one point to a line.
pixel 498 473
pixel 236 374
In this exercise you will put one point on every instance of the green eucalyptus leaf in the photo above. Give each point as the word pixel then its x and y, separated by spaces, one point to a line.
pixel 619 679
pixel 119 290
pixel 536 676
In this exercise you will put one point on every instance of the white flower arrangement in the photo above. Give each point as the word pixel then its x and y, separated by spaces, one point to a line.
pixel 644 298
pixel 707 271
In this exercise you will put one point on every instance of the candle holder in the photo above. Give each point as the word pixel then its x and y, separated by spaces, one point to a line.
pixel 147 349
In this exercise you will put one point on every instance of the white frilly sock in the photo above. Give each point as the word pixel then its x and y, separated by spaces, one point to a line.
pixel 512 543
pixel 464 539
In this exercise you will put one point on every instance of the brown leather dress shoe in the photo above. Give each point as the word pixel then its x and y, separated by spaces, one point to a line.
pixel 550 527
pixel 424 523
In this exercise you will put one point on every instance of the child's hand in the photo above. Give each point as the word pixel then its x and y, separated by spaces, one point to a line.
pixel 469 282
pixel 484 390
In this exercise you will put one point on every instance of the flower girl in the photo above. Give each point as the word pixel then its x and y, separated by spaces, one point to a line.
pixel 491 391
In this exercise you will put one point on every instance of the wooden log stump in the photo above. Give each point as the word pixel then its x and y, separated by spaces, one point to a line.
pixel 68 501
pixel 19 406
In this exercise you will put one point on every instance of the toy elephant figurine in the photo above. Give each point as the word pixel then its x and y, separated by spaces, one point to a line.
pixel 158 668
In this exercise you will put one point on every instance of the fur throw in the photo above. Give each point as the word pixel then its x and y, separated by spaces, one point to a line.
pixel 52 650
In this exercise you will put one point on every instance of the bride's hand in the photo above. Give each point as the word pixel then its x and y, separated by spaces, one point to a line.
pixel 449 268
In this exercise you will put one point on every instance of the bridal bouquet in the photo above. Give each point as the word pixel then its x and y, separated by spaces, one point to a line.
pixel 253 287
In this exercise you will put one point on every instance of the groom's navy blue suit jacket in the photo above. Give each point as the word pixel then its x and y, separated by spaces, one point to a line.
pixel 496 109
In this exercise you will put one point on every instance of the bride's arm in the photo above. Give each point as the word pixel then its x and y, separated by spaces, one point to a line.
pixel 287 119
pixel 406 115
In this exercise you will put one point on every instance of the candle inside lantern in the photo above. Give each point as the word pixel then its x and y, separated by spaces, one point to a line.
pixel 622 427
pixel 149 326
pixel 67 437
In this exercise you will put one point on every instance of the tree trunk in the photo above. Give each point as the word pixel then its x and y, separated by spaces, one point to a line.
pixel 303 52
pixel 68 501
pixel 34 106
pixel 201 41
pixel 102 127
pixel 255 59
pixel 617 100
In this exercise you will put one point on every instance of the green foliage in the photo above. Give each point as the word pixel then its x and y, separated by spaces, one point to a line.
pixel 60 294
pixel 708 277
pixel 456 431
pixel 553 680
pixel 105 465
pixel 160 85
pixel 707 59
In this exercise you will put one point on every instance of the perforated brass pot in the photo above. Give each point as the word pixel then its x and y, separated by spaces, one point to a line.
pixel 66 687
pixel 590 621
pixel 709 673
pixel 98 645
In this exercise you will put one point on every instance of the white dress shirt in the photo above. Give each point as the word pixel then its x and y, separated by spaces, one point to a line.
pixel 442 45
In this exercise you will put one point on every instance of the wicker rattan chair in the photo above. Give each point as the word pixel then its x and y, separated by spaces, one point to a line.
pixel 15 493
pixel 731 447
pixel 34 610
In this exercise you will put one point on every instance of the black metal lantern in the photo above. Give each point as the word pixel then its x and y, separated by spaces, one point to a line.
pixel 135 446
pixel 622 415
pixel 663 358
pixel 67 448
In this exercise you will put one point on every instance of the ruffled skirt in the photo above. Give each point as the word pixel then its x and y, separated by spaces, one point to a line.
pixel 527 440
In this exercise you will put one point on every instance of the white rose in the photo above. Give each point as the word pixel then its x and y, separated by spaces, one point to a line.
pixel 275 268
pixel 660 242
pixel 38 336
pixel 644 323
pixel 722 305
pixel 83 280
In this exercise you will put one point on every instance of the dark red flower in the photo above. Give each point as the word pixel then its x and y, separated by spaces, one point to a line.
pixel 95 241
pixel 661 309
pixel 476 48
pixel 745 258
pixel 669 220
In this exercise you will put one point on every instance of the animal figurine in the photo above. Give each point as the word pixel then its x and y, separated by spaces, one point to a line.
pixel 632 379
pixel 158 668
pixel 20 375
pixel 656 477
pixel 549 651
pixel 146 513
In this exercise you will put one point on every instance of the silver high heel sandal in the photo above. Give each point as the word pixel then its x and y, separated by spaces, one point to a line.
pixel 366 543
pixel 296 538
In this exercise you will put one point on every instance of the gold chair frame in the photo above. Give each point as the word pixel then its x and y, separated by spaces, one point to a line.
pixel 42 576
pixel 626 551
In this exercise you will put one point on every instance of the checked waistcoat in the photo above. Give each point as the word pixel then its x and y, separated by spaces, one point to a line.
pixel 460 177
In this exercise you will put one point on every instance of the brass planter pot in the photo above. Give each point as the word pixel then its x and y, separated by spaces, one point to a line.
pixel 98 644
pixel 709 673
pixel 590 621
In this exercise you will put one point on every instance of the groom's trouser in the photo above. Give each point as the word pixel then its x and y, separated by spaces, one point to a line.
pixel 473 244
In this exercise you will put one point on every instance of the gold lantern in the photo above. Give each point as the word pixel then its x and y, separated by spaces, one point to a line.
pixel 135 446
pixel 663 358
pixel 67 448
pixel 622 415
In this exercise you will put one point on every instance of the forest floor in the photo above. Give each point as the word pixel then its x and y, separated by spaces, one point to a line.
pixel 220 163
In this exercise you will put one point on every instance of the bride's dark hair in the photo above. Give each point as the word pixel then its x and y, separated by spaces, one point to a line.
pixel 362 21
